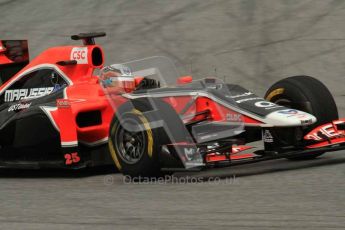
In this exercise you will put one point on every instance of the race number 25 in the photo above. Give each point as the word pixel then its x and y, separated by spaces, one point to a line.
pixel 72 158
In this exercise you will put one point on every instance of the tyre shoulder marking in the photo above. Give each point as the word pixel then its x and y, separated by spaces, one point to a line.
pixel 112 150
pixel 148 131
pixel 275 93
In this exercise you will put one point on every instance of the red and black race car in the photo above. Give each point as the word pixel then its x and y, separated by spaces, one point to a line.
pixel 56 112
pixel 53 111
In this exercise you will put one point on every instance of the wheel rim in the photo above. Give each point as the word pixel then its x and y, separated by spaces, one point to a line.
pixel 130 145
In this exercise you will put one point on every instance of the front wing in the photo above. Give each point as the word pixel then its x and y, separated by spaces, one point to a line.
pixel 325 138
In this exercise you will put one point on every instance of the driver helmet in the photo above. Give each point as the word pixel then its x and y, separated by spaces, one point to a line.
pixel 118 76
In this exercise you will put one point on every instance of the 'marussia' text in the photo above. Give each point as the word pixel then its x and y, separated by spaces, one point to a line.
pixel 17 94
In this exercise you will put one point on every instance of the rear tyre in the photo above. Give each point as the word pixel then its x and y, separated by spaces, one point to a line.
pixel 137 151
pixel 306 94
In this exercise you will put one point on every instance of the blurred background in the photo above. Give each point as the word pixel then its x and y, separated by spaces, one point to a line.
pixel 250 42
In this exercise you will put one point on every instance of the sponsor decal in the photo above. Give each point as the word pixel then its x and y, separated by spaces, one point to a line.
pixel 190 153
pixel 307 122
pixel 18 94
pixel 261 103
pixel 274 107
pixel 293 113
pixel 241 95
pixel 208 136
pixel 63 103
pixel 267 105
pixel 79 54
pixel 328 131
pixel 267 136
pixel 192 157
pixel 289 112
pixel 233 117
pixel 264 104
pixel 19 106
pixel 275 93
pixel 249 99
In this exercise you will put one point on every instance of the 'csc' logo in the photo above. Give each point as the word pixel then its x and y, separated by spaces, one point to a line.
pixel 79 54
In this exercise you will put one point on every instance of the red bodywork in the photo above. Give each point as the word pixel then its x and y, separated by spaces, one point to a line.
pixel 84 93
pixel 327 134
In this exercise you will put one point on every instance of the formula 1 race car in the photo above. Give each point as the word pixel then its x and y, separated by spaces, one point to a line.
pixel 180 123
pixel 56 112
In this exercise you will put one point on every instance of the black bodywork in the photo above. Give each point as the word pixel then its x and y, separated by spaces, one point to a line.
pixel 27 135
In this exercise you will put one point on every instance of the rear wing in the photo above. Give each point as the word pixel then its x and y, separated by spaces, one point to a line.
pixel 14 55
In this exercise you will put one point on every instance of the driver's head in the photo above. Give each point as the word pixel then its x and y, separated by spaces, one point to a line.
pixel 113 71
pixel 117 75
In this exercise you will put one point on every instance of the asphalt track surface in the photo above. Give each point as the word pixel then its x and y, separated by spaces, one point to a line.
pixel 252 43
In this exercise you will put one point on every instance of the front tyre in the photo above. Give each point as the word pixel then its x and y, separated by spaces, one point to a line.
pixel 134 151
pixel 135 145
pixel 306 94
